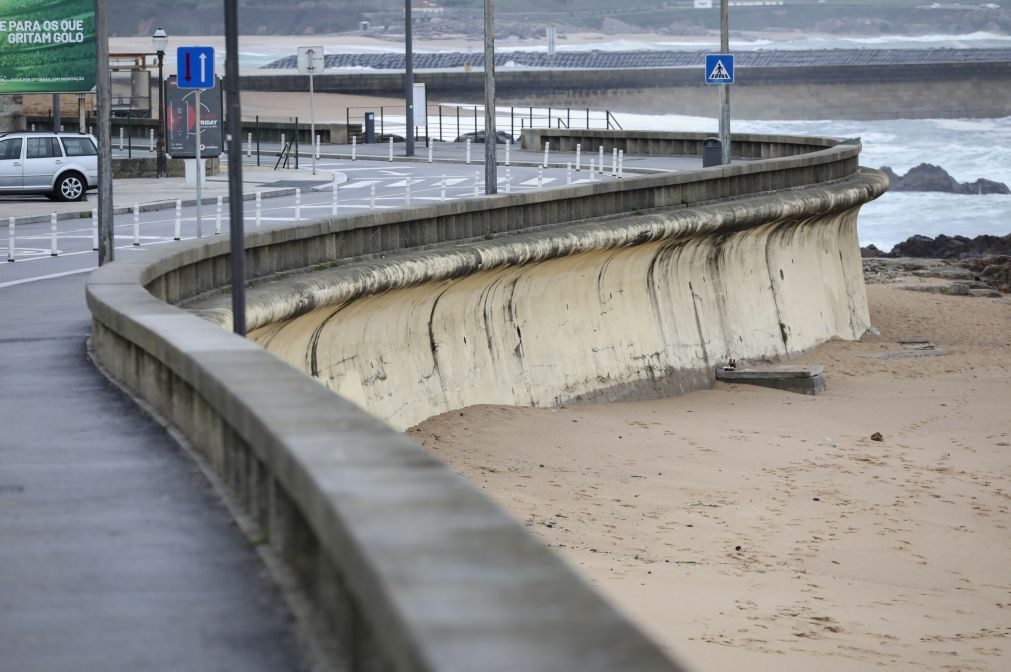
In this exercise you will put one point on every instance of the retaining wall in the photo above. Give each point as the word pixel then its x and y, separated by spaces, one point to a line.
pixel 410 567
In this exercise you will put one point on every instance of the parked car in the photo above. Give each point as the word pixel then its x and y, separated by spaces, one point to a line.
pixel 62 166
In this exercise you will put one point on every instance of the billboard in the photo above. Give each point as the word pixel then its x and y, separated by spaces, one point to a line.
pixel 47 46
pixel 181 121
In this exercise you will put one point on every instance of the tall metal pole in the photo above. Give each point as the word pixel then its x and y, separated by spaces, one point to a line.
pixel 490 135
pixel 233 142
pixel 162 162
pixel 725 88
pixel 103 93
pixel 409 78
pixel 57 113
pixel 312 118
pixel 200 167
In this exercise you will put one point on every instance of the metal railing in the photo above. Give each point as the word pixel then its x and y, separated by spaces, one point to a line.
pixel 447 122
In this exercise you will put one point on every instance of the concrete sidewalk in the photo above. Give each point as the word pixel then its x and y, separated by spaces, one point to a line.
pixel 115 554
pixel 155 194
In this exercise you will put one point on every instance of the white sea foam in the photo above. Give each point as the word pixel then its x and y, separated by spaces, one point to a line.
pixel 967 148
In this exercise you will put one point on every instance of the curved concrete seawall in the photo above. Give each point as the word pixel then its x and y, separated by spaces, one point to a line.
pixel 408 566
pixel 581 313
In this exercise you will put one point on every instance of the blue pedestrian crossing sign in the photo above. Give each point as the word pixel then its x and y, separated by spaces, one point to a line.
pixel 719 68
pixel 195 67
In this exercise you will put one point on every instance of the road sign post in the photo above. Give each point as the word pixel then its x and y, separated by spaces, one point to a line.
pixel 195 70
pixel 311 60
pixel 720 70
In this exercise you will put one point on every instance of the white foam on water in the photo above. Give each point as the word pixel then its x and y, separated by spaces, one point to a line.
pixel 967 148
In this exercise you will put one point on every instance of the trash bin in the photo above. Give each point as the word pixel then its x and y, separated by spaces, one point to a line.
pixel 712 152
pixel 370 128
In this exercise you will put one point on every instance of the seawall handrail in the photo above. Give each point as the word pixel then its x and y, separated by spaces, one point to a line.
pixel 409 566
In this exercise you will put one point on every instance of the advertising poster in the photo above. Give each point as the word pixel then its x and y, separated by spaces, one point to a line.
pixel 181 121
pixel 47 46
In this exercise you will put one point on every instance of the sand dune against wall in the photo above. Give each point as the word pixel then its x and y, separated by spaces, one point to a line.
pixel 853 553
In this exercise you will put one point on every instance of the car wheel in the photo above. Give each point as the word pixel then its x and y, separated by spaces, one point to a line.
pixel 70 187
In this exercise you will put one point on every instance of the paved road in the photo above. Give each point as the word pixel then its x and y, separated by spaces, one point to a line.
pixel 354 181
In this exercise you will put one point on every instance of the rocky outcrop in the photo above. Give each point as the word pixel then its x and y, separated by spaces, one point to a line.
pixel 985 277
pixel 994 270
pixel 928 177
pixel 953 247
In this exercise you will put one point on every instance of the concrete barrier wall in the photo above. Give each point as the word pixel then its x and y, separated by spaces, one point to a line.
pixel 582 313
pixel 408 566
pixel 743 146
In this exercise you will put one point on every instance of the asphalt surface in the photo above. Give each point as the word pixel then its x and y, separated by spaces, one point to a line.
pixel 115 553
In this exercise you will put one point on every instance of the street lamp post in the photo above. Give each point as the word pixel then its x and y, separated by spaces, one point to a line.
pixel 408 79
pixel 160 41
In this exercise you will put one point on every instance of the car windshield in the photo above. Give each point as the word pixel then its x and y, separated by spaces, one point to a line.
pixel 79 146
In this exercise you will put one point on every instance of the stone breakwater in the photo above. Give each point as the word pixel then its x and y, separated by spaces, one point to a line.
pixel 627 307
pixel 660 59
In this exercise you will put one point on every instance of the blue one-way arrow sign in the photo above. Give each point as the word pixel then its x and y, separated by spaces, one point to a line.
pixel 195 67
pixel 719 68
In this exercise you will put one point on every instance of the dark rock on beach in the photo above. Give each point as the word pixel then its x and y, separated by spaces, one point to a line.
pixel 928 177
pixel 953 247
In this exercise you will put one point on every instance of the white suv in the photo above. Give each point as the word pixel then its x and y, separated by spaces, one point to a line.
pixel 63 166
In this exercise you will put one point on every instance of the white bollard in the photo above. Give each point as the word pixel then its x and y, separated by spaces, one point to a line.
pixel 600 161
pixel 593 173
pixel 89 131
pixel 10 239
pixel 259 208
pixel 121 138
pixel 429 152
pixel 249 144
pixel 579 148
pixel 282 141
pixel 547 150
pixel 33 128
pixel 136 225
pixel 298 204
pixel 150 140
pixel 334 197
pixel 354 147
pixel 317 147
pixel 540 176
pixel 217 218
pixel 568 172
pixel 468 150
pixel 442 189
pixel 509 180
pixel 94 229
pixel 614 162
pixel 391 149
pixel 61 128
pixel 509 143
pixel 372 196
pixel 477 182
pixel 52 236
pixel 621 163
pixel 179 220
pixel 407 191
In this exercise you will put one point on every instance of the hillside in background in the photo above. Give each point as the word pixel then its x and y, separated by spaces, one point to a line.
pixel 528 18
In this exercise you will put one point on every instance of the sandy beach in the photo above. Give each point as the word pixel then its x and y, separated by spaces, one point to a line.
pixel 746 526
